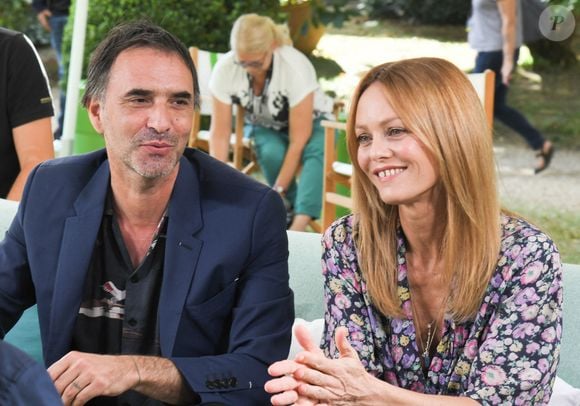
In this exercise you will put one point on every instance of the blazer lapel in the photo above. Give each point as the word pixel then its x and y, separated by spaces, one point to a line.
pixel 78 238
pixel 182 252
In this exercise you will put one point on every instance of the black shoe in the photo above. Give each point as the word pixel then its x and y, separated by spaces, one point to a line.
pixel 546 158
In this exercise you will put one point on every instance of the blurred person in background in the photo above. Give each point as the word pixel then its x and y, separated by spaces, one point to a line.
pixel 278 89
pixel 53 16
pixel 25 112
pixel 495 31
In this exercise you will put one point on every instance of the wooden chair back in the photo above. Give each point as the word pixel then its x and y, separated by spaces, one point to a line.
pixel 243 156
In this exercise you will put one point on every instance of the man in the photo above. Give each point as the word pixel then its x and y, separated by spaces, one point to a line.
pixel 23 381
pixel 53 16
pixel 25 113
pixel 160 275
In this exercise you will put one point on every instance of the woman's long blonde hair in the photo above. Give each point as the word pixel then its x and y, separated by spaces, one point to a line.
pixel 437 103
pixel 253 33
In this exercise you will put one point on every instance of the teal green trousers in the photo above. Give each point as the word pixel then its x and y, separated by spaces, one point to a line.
pixel 305 194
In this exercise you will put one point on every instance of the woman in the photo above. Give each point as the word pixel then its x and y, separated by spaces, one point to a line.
pixel 277 86
pixel 434 295
pixel 495 32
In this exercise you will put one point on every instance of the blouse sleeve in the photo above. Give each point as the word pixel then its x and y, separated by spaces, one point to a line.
pixel 517 360
pixel 344 293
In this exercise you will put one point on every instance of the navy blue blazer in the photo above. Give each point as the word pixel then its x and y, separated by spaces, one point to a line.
pixel 24 381
pixel 225 309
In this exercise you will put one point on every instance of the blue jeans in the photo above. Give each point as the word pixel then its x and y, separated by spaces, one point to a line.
pixel 504 113
pixel 271 146
pixel 57 24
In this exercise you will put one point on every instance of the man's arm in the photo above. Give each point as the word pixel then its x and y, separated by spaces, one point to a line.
pixel 33 144
pixel 259 320
pixel 80 377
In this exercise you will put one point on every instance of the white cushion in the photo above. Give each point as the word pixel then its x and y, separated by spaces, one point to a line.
pixel 315 328
pixel 564 394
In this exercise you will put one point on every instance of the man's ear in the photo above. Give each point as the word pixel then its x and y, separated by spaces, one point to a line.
pixel 94 109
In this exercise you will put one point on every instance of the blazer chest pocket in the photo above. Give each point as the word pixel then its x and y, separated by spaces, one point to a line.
pixel 204 328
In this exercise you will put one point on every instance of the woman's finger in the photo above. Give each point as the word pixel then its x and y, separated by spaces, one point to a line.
pixel 303 336
pixel 283 384
pixel 284 398
pixel 284 367
pixel 343 345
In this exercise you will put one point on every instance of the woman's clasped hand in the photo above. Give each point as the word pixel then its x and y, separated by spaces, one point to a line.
pixel 313 379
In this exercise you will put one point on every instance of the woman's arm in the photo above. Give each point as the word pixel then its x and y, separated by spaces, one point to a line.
pixel 507 11
pixel 220 130
pixel 313 379
pixel 33 144
pixel 299 132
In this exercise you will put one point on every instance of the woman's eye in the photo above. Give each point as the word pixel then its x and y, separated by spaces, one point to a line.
pixel 393 132
pixel 363 139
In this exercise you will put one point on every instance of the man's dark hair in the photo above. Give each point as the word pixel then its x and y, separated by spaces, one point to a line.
pixel 134 34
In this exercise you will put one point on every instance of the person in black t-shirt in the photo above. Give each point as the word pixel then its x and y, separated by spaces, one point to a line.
pixel 25 111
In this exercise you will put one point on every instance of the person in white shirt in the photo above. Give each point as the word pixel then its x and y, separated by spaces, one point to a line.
pixel 277 86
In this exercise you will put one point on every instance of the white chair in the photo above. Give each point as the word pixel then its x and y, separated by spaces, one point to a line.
pixel 484 84
pixel 204 62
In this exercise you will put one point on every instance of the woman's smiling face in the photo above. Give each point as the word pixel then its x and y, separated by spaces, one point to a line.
pixel 395 161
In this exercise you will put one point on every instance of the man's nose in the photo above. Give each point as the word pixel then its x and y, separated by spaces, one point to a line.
pixel 159 118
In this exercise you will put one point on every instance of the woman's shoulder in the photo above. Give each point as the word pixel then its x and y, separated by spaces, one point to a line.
pixel 516 230
pixel 293 58
pixel 224 62
pixel 525 246
pixel 339 232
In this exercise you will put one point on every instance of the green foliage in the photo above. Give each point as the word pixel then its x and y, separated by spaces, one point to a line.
pixel 203 23
pixel 18 15
pixel 420 11
pixel 333 12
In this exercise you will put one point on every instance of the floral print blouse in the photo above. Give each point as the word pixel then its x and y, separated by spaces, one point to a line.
pixel 507 355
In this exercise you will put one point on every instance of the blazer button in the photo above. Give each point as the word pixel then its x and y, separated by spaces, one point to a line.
pixel 233 382
pixel 210 384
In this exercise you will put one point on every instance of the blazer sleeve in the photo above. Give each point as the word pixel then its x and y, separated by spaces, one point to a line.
pixel 16 287
pixel 261 321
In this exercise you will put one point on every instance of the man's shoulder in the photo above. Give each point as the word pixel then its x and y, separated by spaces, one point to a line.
pixel 88 162
pixel 215 173
pixel 66 175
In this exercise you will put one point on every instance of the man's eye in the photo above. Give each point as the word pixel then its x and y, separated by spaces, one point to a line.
pixel 182 102
pixel 138 100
